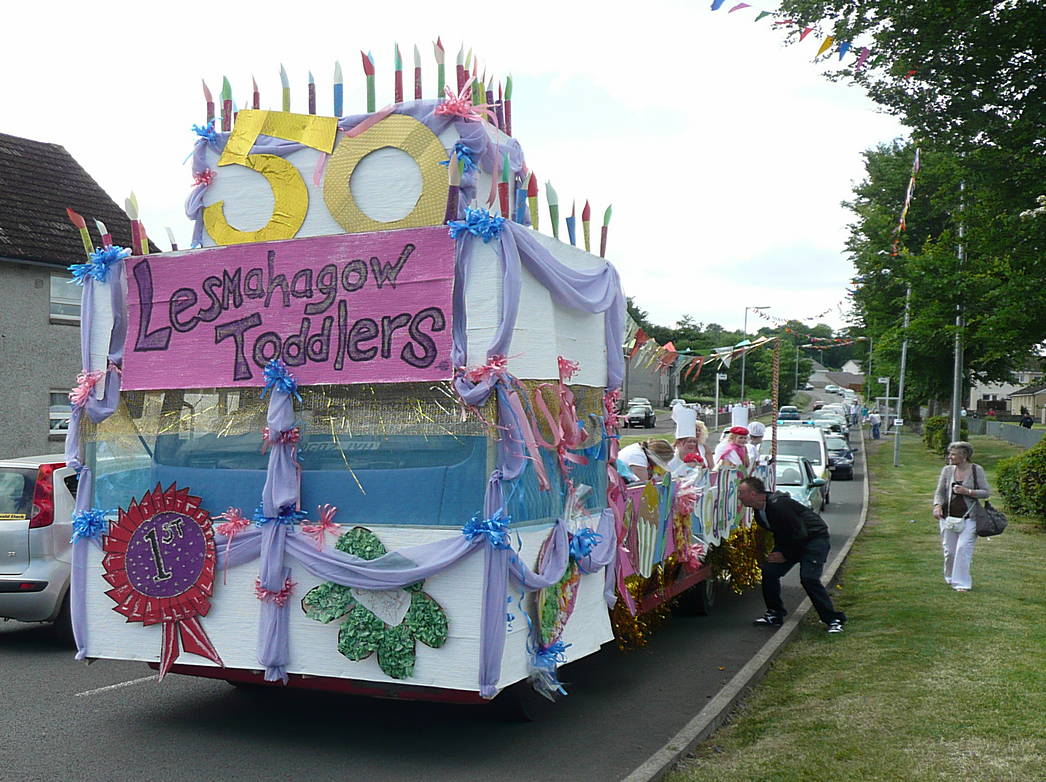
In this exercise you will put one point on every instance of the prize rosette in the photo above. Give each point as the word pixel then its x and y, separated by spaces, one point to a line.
pixel 555 603
pixel 160 559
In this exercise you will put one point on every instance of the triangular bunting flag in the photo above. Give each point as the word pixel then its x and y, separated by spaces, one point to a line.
pixel 844 47
pixel 738 7
pixel 861 58
pixel 716 4
pixel 761 15
pixel 806 31
pixel 825 45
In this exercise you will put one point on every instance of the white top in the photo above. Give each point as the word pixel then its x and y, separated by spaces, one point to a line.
pixel 634 456
pixel 686 421
pixel 722 456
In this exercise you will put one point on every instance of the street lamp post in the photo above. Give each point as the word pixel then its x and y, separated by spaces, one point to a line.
pixel 745 353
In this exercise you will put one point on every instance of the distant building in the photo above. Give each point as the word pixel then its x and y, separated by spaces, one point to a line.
pixel 39 308
pixel 998 395
pixel 1032 398
pixel 852 367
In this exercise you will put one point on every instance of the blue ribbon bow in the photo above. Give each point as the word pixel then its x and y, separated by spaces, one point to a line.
pixel 478 222
pixel 582 542
pixel 494 529
pixel 97 267
pixel 89 523
pixel 464 153
pixel 278 377
pixel 286 515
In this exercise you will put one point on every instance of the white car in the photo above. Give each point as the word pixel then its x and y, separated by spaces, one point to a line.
pixel 831 388
pixel 36 511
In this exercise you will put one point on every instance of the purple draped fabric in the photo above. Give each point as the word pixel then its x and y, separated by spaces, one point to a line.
pixel 97 410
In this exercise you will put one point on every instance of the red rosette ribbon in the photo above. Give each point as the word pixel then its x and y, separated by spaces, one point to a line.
pixel 160 560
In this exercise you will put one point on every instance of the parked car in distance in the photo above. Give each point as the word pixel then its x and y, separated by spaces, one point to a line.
pixel 640 415
pixel 818 404
pixel 808 387
pixel 37 495
pixel 839 421
pixel 639 400
pixel 675 402
pixel 840 458
pixel 832 388
pixel 795 477
pixel 788 413
pixel 797 439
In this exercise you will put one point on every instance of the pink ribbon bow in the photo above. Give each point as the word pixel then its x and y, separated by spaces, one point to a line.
pixel 326 524
pixel 691 555
pixel 610 400
pixel 204 177
pixel 233 523
pixel 288 437
pixel 686 499
pixel 567 369
pixel 85 383
pixel 496 365
pixel 461 106
pixel 268 596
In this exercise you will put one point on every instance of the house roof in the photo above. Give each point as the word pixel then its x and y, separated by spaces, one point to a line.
pixel 1034 388
pixel 37 182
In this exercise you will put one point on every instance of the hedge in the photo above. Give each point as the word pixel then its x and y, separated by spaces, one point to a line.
pixel 1021 481
pixel 937 433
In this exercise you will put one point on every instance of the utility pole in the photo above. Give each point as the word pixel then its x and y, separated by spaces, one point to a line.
pixel 957 364
pixel 900 384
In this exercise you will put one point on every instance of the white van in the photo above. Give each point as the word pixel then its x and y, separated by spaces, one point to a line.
pixel 808 442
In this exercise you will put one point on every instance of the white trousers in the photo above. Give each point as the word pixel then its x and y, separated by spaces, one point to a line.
pixel 958 553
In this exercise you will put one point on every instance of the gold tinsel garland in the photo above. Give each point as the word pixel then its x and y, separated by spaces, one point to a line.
pixel 737 561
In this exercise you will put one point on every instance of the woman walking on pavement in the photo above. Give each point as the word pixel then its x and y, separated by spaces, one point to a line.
pixel 959 486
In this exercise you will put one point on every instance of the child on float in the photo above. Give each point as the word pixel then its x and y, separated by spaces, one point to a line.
pixel 639 462
pixel 732 453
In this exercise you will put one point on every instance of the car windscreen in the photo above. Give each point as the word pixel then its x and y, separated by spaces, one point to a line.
pixel 637 411
pixel 808 448
pixel 16 492
pixel 789 474
pixel 837 444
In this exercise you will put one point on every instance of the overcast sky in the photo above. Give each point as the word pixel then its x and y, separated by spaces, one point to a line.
pixel 724 153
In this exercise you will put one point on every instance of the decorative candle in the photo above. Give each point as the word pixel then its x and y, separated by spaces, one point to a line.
pixel 572 224
pixel 398 74
pixel 255 96
pixel 532 200
pixel 226 105
pixel 78 221
pixel 170 238
pixel 603 234
pixel 503 186
pixel 286 88
pixel 477 91
pixel 312 94
pixel 499 111
pixel 454 182
pixel 489 90
pixel 508 104
pixel 339 89
pixel 460 65
pixel 441 70
pixel 553 207
pixel 368 70
pixel 586 218
pixel 107 238
pixel 210 101
pixel 131 207
pixel 417 73
pixel 520 196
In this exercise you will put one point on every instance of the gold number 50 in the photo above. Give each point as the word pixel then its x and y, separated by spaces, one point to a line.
pixel 290 195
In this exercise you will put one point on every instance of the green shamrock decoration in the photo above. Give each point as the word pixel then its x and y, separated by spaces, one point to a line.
pixel 362 632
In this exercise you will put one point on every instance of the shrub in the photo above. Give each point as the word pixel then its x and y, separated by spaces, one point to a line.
pixel 1021 481
pixel 937 433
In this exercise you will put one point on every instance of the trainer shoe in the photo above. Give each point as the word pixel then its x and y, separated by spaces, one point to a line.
pixel 769 619
pixel 835 626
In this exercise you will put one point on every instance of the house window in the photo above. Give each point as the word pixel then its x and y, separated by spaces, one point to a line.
pixel 65 299
pixel 59 413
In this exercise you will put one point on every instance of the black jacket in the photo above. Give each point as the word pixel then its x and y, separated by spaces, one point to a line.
pixel 791 522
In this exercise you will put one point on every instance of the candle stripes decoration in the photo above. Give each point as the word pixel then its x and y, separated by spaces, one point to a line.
pixel 572 224
pixel 441 69
pixel 532 200
pixel 586 226
pixel 417 73
pixel 553 207
pixel 603 233
pixel 210 101
pixel 312 94
pixel 339 90
pixel 368 70
pixel 397 72
pixel 285 82
pixel 226 105
pixel 81 225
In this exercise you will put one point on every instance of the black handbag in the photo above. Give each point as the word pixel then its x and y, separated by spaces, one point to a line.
pixel 989 520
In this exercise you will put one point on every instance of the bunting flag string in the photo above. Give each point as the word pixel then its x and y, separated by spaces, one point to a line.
pixel 645 352
pixel 842 48
pixel 902 223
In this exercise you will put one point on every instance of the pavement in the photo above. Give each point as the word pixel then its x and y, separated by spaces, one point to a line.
pixel 628 714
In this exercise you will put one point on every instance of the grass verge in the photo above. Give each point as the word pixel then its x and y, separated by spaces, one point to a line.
pixel 926 683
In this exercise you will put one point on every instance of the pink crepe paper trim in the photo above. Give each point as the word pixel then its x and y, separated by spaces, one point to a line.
pixel 496 365
pixel 691 555
pixel 85 383
pixel 567 369
pixel 610 400
pixel 326 524
pixel 686 499
pixel 368 123
pixel 267 595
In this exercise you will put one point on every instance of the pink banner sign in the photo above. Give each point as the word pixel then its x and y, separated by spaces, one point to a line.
pixel 350 308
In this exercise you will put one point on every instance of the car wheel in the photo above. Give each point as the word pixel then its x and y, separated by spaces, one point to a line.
pixel 63 623
pixel 699 599
pixel 827 498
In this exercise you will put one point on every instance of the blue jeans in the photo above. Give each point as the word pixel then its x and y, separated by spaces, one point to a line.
pixel 812 557
pixel 875 431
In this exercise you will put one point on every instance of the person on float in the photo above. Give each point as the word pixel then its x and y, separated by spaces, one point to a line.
pixel 959 486
pixel 686 442
pixel 644 458
pixel 703 451
pixel 732 450
pixel 756 432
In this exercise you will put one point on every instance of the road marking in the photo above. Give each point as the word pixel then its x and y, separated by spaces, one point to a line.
pixel 117 686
